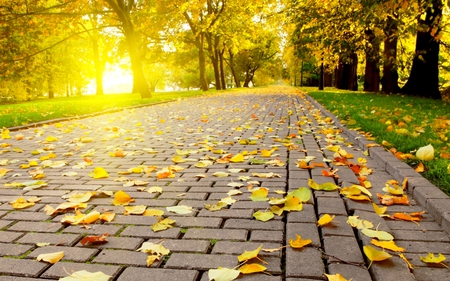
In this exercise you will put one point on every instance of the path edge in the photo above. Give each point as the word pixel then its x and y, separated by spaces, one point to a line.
pixel 430 197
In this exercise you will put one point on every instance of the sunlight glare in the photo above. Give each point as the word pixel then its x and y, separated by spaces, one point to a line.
pixel 115 80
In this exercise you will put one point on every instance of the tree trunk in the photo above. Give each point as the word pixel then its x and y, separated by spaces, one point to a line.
pixel 98 67
pixel 424 77
pixel 372 71
pixel 389 82
pixel 214 56
pixel 51 91
pixel 237 81
pixel 327 79
pixel 222 72
pixel 346 76
pixel 202 63
pixel 123 9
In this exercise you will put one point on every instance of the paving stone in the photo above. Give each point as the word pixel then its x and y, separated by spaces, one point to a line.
pixel 36 226
pixel 197 222
pixel 96 229
pixel 200 262
pixel 122 257
pixel 186 196
pixel 146 232
pixel 431 274
pixel 305 263
pixel 343 248
pixel 158 274
pixel 436 207
pixel 338 227
pixel 355 273
pixel 266 236
pixel 393 268
pixel 26 216
pixel 305 230
pixel 14 249
pixel 249 277
pixel 423 193
pixel 70 253
pixel 254 224
pixel 184 245
pixel 237 213
pixel 14 278
pixel 332 206
pixel 306 215
pixel 122 243
pixel 424 246
pixel 5 223
pixel 237 248
pixel 133 219
pixel 61 269
pixel 211 233
pixel 430 236
pixel 9 236
pixel 22 267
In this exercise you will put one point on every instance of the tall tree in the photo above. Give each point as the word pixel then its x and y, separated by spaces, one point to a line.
pixel 424 76
pixel 124 10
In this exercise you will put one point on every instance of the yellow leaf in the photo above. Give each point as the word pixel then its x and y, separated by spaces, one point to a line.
pixel 163 225
pixel 425 153
pixel 251 268
pixel 223 274
pixel 266 153
pixel 381 235
pixel 237 158
pixel 431 258
pixel 99 173
pixel 375 255
pixel 83 275
pixel 216 207
pixel 406 260
pixel 335 277
pixel 91 217
pixel 263 216
pixel 276 210
pixel 79 197
pixel 107 216
pixel 153 213
pixel 360 224
pixel 379 210
pixel 151 259
pixel 51 257
pixel 181 210
pixel 247 255
pixel 51 139
pixel 135 210
pixel 178 159
pixel 390 245
pixel 325 219
pixel 260 194
pixel 155 189
pixel 122 198
pixel 21 203
pixel 293 203
pixel 152 248
pixel 299 242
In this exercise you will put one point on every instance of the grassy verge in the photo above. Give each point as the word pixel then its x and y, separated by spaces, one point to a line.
pixel 39 110
pixel 407 123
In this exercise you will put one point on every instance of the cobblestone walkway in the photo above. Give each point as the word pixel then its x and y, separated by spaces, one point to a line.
pixel 209 128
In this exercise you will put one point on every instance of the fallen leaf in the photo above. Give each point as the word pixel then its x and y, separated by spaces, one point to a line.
pixel 135 210
pixel 238 158
pixel 51 257
pixel 21 203
pixel 420 168
pixel 335 277
pixel 263 216
pixel 152 248
pixel 260 194
pixel 84 275
pixel 107 216
pixel 432 258
pixel 215 207
pixel 390 245
pixel 410 266
pixel 379 210
pixel 425 153
pixel 94 239
pixel 221 174
pixel 163 224
pixel 122 198
pixel 223 274
pixel 379 234
pixel 325 219
pixel 247 255
pixel 181 210
pixel 375 255
pixel 303 194
pixel 354 221
pixel 292 203
pixel 153 213
pixel 251 268
pixel 299 242
pixel 99 173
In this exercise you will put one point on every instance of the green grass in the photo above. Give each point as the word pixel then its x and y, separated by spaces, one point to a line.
pixel 407 123
pixel 40 110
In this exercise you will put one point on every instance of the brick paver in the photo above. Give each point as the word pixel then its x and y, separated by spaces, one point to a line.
pixel 208 128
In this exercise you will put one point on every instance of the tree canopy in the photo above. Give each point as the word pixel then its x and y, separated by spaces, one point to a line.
pixel 58 47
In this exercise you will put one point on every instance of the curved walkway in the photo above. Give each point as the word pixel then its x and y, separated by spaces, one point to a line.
pixel 287 126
